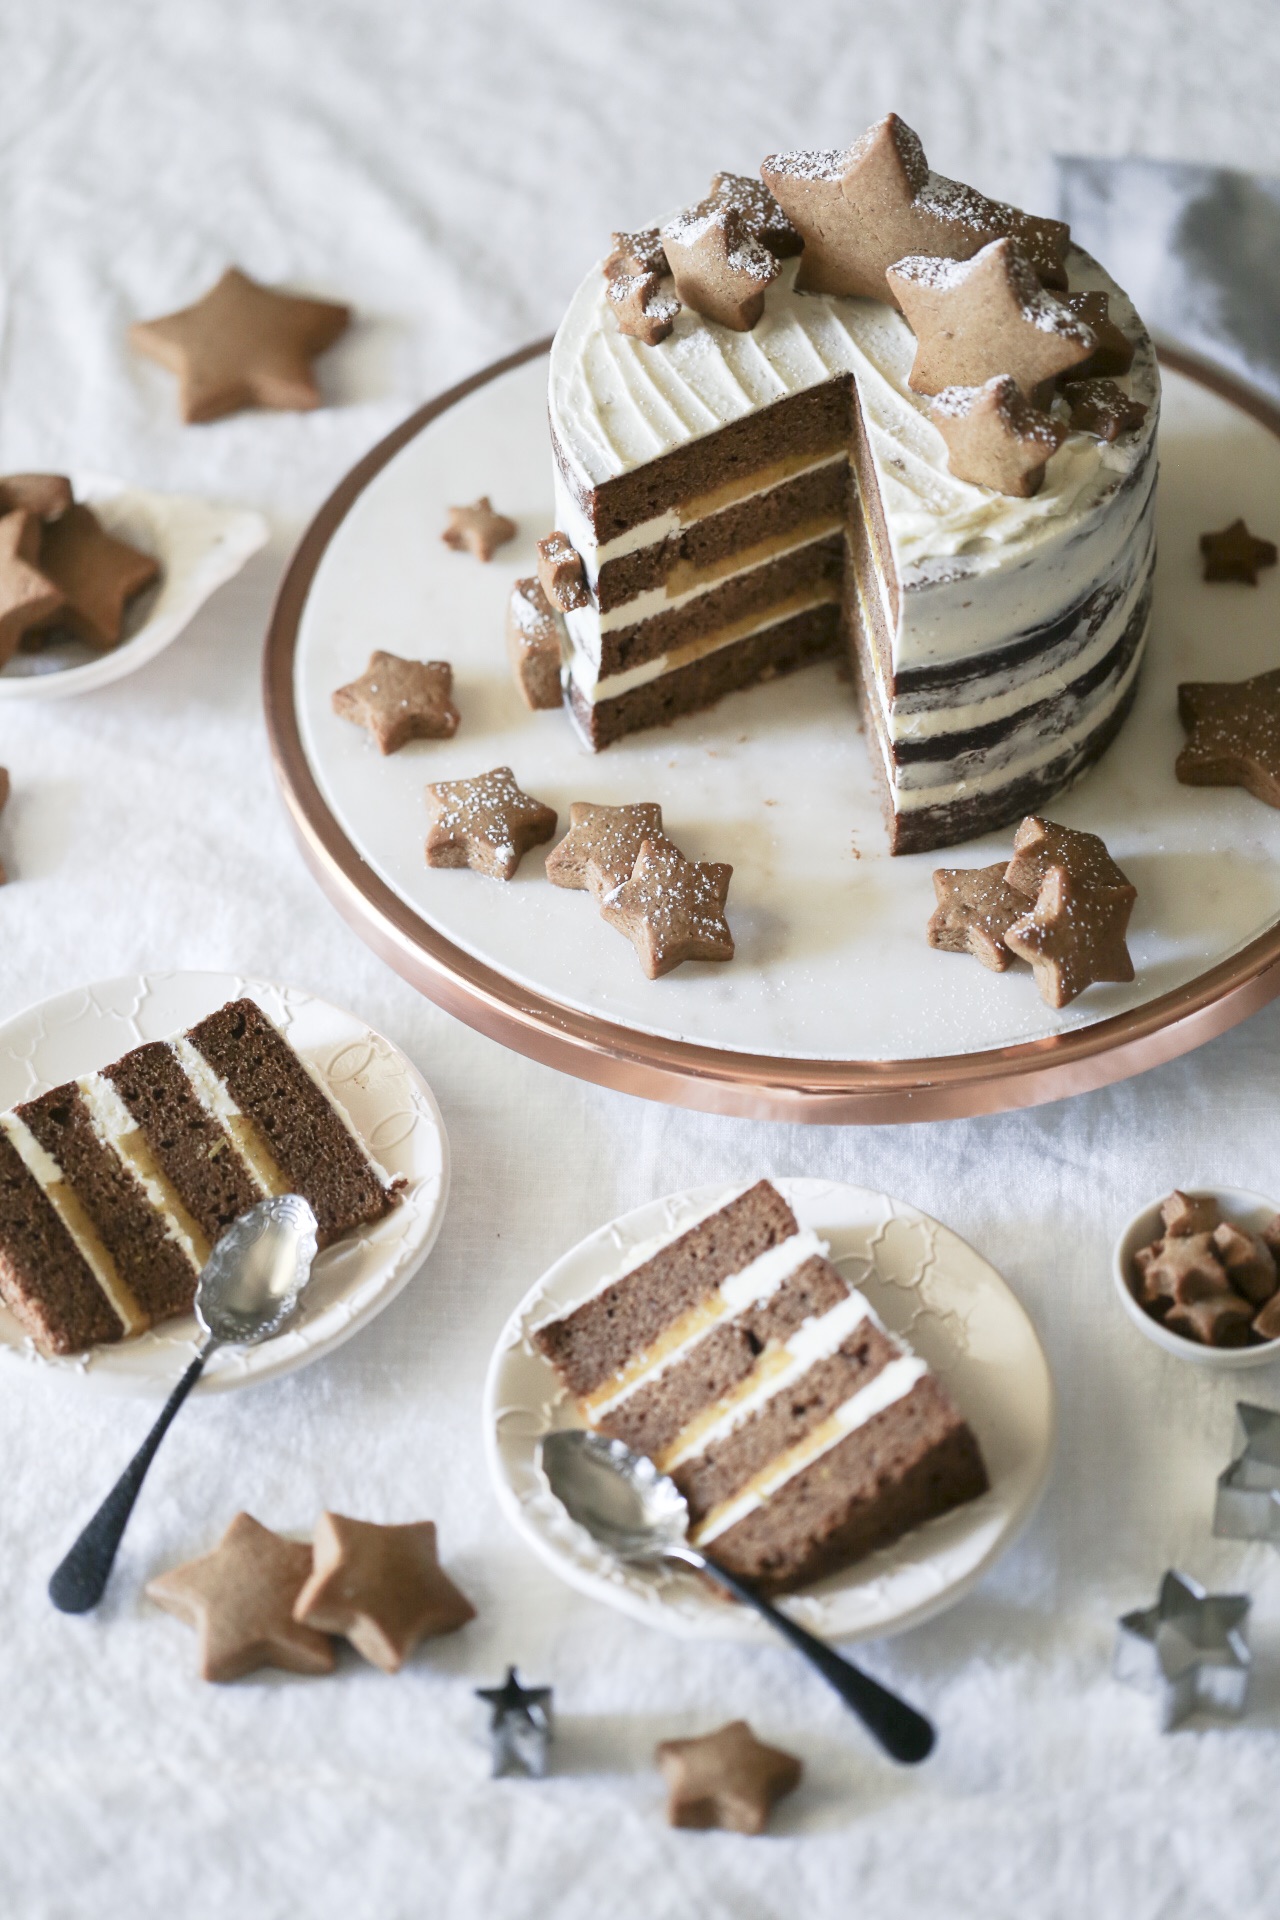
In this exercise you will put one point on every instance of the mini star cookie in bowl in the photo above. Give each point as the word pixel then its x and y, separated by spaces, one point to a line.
pixel 1198 1273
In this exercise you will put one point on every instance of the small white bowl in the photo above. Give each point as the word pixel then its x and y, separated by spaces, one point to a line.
pixel 1243 1209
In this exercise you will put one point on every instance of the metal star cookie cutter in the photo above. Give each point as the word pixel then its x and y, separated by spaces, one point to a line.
pixel 1190 1649
pixel 519 1727
pixel 1247 1506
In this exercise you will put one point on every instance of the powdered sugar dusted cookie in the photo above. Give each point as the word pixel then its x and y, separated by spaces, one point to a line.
pixel 486 823
pixel 535 644
pixel 600 849
pixel 671 909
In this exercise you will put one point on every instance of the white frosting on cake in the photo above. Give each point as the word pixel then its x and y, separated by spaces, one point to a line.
pixel 616 404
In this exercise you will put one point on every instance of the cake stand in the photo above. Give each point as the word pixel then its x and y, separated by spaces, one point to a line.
pixel 835 1009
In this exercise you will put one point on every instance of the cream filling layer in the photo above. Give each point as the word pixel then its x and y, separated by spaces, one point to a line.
pixel 584 672
pixel 686 583
pixel 775 1373
pixel 891 1384
pixel 750 1287
pixel 57 1189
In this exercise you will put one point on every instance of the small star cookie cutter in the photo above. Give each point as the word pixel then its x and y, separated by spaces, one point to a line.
pixel 1247 1506
pixel 1189 1649
pixel 519 1727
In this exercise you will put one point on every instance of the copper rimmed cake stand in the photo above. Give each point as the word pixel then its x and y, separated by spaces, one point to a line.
pixel 681 1072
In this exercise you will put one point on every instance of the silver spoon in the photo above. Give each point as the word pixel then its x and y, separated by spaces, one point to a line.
pixel 248 1289
pixel 640 1515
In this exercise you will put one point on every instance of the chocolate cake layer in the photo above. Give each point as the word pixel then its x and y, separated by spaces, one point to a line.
pixel 915 1460
pixel 794 642
pixel 650 1418
pixel 314 1150
pixel 723 538
pixel 45 1281
pixel 594 1343
pixel 193 1151
pixel 160 1276
pixel 788 1417
pixel 745 595
pixel 814 421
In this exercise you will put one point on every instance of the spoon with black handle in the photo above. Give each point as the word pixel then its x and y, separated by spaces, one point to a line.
pixel 248 1288
pixel 640 1515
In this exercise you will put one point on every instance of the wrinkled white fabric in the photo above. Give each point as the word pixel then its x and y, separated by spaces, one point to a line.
pixel 449 169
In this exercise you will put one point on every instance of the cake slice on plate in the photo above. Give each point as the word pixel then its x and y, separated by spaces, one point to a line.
pixel 114 1187
pixel 801 1433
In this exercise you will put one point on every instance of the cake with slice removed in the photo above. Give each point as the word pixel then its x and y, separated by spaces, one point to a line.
pixel 115 1187
pixel 801 1433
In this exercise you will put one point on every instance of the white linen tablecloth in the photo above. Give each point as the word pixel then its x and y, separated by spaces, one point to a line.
pixel 450 170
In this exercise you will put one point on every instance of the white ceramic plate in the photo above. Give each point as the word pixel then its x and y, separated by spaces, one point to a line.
pixel 390 1105
pixel 832 962
pixel 1242 1208
pixel 199 546
pixel 926 1284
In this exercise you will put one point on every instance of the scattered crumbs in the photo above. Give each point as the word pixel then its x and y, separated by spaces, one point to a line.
pixel 770 803
pixel 853 847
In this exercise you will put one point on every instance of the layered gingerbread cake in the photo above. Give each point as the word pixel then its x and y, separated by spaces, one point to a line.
pixel 863 407
pixel 115 1187
pixel 801 1433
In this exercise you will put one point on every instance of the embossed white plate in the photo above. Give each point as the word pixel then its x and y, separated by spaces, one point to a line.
pixel 200 547
pixel 927 1284
pixel 390 1105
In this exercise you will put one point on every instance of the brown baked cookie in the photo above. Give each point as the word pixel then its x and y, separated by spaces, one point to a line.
pixel 720 269
pixel 725 1779
pixel 1102 408
pixel 240 1600
pixel 383 1587
pixel 44 494
pixel 976 907
pixel 1040 844
pixel 400 700
pixel 860 210
pixel 96 574
pixel 639 252
pixel 602 845
pixel 1236 554
pixel 1074 936
pixel 1249 1261
pixel 477 529
pixel 485 823
pixel 975 318
pixel 243 345
pixel 561 574
pixel 28 597
pixel 1114 352
pixel 1233 729
pixel 671 909
pixel 644 304
pixel 1187 1213
pixel 535 644
pixel 995 438
pixel 1179 1270
pixel 761 215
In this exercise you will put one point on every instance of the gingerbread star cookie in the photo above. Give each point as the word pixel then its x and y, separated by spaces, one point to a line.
pixel 1073 936
pixel 1040 844
pixel 477 529
pixel 1113 352
pixel 561 574
pixel 485 823
pixel 1102 408
pixel 240 1600
pixel 1233 732
pixel 535 644
pixel 97 575
pixel 636 253
pixel 988 315
pixel 600 850
pixel 644 304
pixel 725 1779
pixel 995 438
pixel 382 1587
pixel 720 268
pixel 861 209
pixel 671 909
pixel 44 494
pixel 243 345
pixel 400 700
pixel 976 907
pixel 28 597
pixel 1236 554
